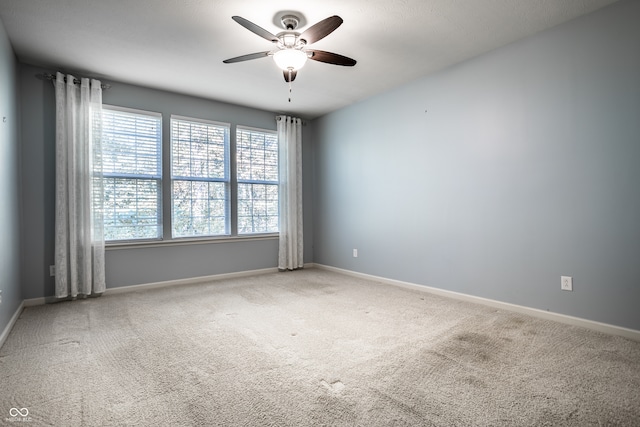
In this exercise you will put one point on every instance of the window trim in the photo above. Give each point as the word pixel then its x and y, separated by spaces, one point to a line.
pixel 132 244
pixel 132 110
pixel 238 181
pixel 228 178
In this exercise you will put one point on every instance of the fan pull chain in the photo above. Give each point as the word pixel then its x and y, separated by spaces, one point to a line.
pixel 289 84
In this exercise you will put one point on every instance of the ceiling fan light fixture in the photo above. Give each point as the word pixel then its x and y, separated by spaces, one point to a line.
pixel 290 59
pixel 289 40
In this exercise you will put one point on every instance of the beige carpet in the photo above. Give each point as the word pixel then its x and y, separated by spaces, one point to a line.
pixel 309 348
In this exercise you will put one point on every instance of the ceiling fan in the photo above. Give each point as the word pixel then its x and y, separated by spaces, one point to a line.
pixel 291 51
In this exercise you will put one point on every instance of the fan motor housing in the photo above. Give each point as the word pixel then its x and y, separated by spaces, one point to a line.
pixel 290 22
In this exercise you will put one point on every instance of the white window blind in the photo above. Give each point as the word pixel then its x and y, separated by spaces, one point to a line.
pixel 200 177
pixel 257 168
pixel 132 170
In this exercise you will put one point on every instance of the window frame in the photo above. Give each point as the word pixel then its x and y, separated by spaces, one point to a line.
pixel 157 178
pixel 226 180
pixel 239 181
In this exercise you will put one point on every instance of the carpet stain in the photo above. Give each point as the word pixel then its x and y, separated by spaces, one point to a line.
pixel 472 346
pixel 474 381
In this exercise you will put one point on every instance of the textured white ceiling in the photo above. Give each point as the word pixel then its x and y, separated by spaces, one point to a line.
pixel 179 45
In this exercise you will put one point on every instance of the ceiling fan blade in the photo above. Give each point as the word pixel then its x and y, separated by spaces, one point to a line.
pixel 246 57
pixel 321 29
pixel 331 58
pixel 255 29
pixel 294 73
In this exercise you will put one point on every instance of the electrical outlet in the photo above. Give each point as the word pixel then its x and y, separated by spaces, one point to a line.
pixel 52 270
pixel 355 253
pixel 566 283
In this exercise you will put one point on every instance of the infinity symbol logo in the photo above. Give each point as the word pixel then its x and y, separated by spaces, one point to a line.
pixel 15 412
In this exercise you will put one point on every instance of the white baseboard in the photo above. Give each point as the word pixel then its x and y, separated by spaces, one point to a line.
pixel 570 320
pixel 39 301
pixel 189 281
pixel 7 329
pixel 131 288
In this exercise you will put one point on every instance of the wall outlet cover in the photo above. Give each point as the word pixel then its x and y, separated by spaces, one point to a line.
pixel 566 283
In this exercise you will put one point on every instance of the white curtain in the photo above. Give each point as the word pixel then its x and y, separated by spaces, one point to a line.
pixel 79 246
pixel 290 254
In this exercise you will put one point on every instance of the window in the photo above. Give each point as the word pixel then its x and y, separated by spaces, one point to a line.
pixel 132 171
pixel 257 176
pixel 206 195
pixel 199 177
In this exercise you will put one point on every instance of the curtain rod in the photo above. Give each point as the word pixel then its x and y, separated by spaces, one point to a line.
pixel 47 76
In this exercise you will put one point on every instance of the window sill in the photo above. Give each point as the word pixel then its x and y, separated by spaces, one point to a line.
pixel 188 241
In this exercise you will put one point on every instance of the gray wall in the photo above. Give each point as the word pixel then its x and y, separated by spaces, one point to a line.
pixel 9 183
pixel 132 265
pixel 497 176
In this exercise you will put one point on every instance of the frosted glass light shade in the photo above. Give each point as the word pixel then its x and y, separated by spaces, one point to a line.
pixel 290 59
